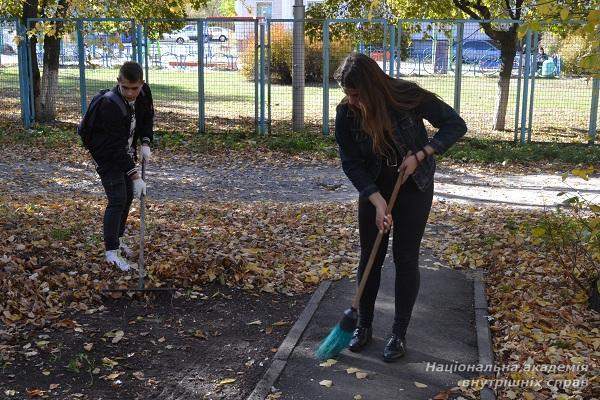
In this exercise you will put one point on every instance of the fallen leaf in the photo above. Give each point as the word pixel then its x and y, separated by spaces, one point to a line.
pixel 139 375
pixel 328 363
pixel 357 397
pixel 227 381
pixel 88 346
pixel 326 383
pixel 352 370
pixel 257 322
pixel 54 386
pixel 420 385
pixel 361 375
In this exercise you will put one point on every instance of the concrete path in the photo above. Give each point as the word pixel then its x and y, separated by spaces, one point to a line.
pixel 293 182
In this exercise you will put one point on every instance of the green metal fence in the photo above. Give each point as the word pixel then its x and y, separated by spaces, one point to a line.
pixel 236 74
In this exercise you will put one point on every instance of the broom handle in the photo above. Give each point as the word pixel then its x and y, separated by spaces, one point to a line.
pixel 141 271
pixel 374 251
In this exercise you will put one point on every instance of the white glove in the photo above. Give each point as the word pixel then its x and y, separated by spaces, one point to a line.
pixel 139 188
pixel 146 152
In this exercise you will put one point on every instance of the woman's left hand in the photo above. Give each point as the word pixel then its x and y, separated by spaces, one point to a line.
pixel 408 166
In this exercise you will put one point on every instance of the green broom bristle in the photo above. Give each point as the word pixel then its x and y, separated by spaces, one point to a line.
pixel 337 340
pixel 339 337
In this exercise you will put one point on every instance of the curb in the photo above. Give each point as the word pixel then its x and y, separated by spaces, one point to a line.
pixel 263 387
pixel 482 327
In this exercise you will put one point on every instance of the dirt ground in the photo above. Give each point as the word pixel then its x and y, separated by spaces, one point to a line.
pixel 214 344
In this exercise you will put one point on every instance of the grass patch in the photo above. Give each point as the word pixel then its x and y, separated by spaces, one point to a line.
pixel 493 151
pixel 40 135
pixel 291 143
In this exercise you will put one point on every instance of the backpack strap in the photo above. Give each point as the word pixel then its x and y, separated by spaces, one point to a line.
pixel 116 99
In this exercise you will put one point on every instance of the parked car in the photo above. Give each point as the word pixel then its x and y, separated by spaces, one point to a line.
pixel 475 50
pixel 186 34
pixel 217 33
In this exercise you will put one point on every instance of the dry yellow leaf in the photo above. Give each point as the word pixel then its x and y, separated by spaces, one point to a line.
pixel 361 375
pixel 326 383
pixel 420 385
pixel 227 381
pixel 352 370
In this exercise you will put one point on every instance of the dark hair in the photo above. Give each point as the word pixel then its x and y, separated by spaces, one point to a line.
pixel 131 71
pixel 379 95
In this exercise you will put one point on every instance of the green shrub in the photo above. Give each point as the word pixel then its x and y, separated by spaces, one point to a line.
pixel 572 49
pixel 281 57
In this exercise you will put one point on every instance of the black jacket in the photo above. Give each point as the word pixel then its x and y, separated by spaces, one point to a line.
pixel 362 166
pixel 110 133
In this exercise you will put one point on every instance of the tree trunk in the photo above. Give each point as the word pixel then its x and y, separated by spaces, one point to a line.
pixel 49 87
pixel 507 56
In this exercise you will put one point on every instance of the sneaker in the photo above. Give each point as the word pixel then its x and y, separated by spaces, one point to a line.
pixel 360 338
pixel 394 349
pixel 125 250
pixel 113 257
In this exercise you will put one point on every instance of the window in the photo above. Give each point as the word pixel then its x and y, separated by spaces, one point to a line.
pixel 264 9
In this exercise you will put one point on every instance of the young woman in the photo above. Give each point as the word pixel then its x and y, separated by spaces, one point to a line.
pixel 380 132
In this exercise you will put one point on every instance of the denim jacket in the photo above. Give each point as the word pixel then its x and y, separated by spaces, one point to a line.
pixel 362 166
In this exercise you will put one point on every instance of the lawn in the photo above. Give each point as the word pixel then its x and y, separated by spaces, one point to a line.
pixel 561 113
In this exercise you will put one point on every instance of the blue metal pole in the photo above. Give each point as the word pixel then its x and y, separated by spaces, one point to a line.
pixel 81 60
pixel 594 110
pixel 326 77
pixel 526 87
pixel 399 56
pixel 518 99
pixel 534 45
pixel 146 63
pixel 29 80
pixel 392 49
pixel 24 78
pixel 458 67
pixel 268 74
pixel 262 78
pixel 201 95
pixel 138 34
pixel 384 47
pixel 256 94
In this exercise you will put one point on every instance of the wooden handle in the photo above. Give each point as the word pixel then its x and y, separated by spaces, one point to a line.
pixel 378 240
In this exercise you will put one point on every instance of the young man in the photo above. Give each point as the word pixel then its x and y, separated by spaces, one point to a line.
pixel 116 131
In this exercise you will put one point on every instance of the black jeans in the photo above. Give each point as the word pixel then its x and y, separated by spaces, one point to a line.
pixel 119 192
pixel 410 215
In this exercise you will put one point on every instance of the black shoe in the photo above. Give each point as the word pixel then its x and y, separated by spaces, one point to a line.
pixel 360 338
pixel 394 349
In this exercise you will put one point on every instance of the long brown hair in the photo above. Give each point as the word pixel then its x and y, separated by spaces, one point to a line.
pixel 379 95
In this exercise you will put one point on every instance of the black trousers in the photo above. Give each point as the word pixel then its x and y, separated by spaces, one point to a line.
pixel 410 215
pixel 119 192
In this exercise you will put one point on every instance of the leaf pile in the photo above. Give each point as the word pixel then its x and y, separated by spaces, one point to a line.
pixel 539 316
pixel 51 254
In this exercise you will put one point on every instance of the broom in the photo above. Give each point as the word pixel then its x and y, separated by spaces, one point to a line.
pixel 340 336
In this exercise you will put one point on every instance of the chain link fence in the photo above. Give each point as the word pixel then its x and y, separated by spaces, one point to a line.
pixel 228 74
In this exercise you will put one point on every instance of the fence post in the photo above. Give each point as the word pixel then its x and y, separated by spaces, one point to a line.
pixel 526 87
pixel 138 34
pixel 533 66
pixel 399 57
pixel 29 75
pixel 201 95
pixel 392 49
pixel 256 93
pixel 81 60
pixel 458 66
pixel 146 52
pixel 24 77
pixel 594 110
pixel 262 78
pixel 518 97
pixel 298 72
pixel 268 76
pixel 384 47
pixel 326 77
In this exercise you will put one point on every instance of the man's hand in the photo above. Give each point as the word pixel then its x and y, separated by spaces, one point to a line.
pixel 146 152
pixel 139 188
